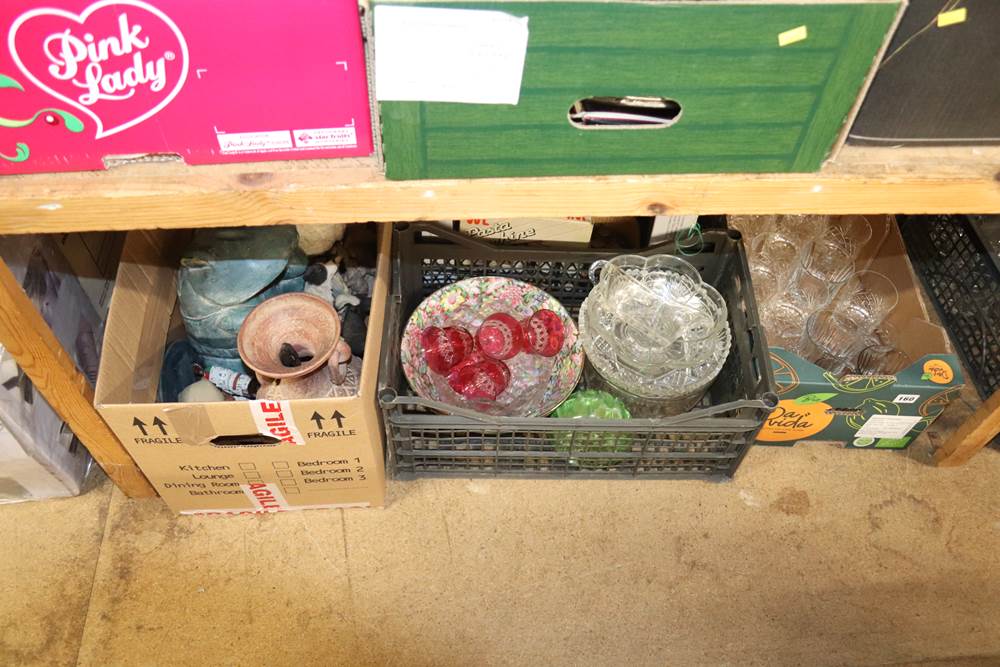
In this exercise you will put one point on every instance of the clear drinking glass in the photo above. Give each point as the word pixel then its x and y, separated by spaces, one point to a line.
pixel 850 232
pixel 831 255
pixel 751 226
pixel 799 229
pixel 813 292
pixel 784 320
pixel 775 252
pixel 865 299
pixel 880 354
pixel 831 340
pixel 828 262
pixel 766 283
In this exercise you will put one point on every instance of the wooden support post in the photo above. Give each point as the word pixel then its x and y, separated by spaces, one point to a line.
pixel 31 342
pixel 974 434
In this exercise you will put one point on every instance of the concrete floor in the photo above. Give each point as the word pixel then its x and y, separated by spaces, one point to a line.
pixel 811 556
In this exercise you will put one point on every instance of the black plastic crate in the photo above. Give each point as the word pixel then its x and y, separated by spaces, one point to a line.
pixel 428 438
pixel 961 277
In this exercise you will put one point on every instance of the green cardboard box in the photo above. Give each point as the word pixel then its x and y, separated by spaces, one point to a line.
pixel 763 86
pixel 870 412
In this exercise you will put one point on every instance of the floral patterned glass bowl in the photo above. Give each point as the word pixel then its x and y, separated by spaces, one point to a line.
pixel 538 384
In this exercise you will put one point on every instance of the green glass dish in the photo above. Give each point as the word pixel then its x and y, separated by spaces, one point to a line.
pixel 592 404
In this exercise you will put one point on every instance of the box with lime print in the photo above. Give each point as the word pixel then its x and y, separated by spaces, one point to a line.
pixel 870 411
pixel 879 411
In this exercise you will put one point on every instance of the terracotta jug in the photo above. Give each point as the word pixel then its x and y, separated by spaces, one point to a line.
pixel 312 327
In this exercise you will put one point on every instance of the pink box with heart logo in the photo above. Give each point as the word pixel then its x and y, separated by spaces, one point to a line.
pixel 81 81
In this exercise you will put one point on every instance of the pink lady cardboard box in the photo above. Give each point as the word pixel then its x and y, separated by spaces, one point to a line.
pixel 207 80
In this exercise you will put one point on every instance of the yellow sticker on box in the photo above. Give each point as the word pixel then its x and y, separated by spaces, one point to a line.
pixel 792 36
pixel 946 19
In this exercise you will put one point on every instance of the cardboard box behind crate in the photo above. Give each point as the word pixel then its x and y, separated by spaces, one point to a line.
pixel 528 230
pixel 763 87
pixel 578 230
pixel 885 412
pixel 69 279
pixel 206 81
pixel 206 457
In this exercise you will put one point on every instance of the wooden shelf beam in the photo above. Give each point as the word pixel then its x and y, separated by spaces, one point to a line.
pixel 173 195
pixel 975 433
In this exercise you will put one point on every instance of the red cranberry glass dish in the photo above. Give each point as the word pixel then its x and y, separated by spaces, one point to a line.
pixel 480 379
pixel 544 333
pixel 445 347
pixel 532 385
pixel 500 336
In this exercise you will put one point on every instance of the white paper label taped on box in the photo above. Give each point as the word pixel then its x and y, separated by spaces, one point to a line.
pixel 887 426
pixel 425 54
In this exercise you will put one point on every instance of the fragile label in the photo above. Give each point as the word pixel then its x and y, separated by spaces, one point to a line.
pixel 275 418
pixel 425 54
pixel 265 496
pixel 887 426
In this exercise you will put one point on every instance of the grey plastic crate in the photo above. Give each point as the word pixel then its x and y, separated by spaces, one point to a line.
pixel 427 438
pixel 959 265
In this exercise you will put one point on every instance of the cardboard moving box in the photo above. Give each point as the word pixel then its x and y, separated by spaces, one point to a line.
pixel 876 411
pixel 233 456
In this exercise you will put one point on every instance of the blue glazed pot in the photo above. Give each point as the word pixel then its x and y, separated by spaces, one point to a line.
pixel 225 273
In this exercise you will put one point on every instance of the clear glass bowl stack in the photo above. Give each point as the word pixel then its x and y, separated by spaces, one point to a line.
pixel 654 332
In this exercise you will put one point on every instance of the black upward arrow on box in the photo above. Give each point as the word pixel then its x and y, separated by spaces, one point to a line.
pixel 157 422
pixel 319 419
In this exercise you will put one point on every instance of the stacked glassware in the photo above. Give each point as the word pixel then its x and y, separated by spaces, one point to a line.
pixel 654 333
pixel 812 300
